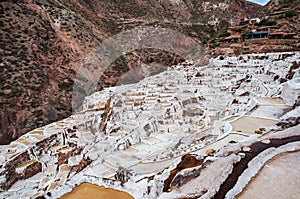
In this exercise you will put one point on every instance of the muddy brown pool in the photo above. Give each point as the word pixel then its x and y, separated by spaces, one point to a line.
pixel 91 191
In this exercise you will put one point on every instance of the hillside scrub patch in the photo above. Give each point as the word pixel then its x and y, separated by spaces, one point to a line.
pixel 266 22
pixel 290 13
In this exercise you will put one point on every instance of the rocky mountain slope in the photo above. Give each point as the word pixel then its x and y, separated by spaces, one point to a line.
pixel 39 51
pixel 43 42
pixel 277 17
pixel 278 5
pixel 181 11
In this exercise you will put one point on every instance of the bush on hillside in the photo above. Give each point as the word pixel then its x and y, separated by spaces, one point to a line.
pixel 224 34
pixel 290 13
pixel 266 22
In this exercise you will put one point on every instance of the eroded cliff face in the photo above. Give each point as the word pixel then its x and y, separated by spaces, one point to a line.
pixel 40 48
pixel 44 42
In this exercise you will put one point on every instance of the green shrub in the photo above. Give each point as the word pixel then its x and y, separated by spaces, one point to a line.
pixel 266 22
pixel 121 64
pixel 214 45
pixel 38 113
pixel 224 34
pixel 290 13
pixel 66 85
pixel 285 1
pixel 242 23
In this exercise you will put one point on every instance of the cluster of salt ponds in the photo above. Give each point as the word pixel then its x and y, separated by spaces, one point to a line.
pixel 155 124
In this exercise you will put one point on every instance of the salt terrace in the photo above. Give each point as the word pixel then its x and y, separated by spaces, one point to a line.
pixel 132 136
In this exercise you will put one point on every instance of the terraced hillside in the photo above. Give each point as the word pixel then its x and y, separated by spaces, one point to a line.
pixel 43 43
pixel 192 131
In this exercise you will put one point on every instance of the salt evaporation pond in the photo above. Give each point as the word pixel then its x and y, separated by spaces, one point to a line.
pixel 279 178
pixel 91 191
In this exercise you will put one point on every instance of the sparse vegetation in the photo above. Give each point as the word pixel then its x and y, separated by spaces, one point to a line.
pixel 224 34
pixel 214 45
pixel 68 86
pixel 290 13
pixel 110 26
pixel 121 64
pixel 285 1
pixel 266 22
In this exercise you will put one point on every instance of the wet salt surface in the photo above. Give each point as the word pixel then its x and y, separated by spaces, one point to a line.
pixel 248 125
pixel 279 178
